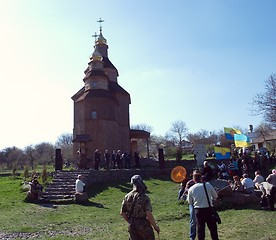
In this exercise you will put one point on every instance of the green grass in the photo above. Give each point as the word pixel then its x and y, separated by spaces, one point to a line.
pixel 100 218
pixel 37 169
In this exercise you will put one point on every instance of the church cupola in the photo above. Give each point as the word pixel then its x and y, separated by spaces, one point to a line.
pixel 96 56
pixel 101 41
pixel 95 77
pixel 100 65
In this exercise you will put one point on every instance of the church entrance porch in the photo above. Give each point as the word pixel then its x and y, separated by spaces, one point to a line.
pixel 82 160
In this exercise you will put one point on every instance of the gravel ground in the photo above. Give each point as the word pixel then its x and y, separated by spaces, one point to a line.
pixel 20 235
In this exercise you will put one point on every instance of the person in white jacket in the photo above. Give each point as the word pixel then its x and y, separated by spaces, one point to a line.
pixel 79 184
pixel 197 197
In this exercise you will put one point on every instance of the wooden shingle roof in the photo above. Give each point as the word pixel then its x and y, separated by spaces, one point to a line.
pixel 267 137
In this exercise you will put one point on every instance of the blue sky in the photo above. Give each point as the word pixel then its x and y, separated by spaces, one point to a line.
pixel 199 61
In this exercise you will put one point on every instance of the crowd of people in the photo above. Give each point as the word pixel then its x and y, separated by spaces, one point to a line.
pixel 200 195
pixel 116 160
pixel 245 174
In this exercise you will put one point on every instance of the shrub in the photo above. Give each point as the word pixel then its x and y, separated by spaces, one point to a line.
pixel 178 155
pixel 44 174
pixel 26 172
pixel 14 169
pixel 170 152
pixel 33 173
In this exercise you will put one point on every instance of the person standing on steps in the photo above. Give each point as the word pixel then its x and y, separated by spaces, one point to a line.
pixel 97 159
pixel 107 159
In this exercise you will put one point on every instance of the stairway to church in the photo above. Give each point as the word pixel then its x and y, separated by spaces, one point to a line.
pixel 62 188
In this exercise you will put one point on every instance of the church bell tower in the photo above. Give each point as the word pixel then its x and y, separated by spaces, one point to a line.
pixel 101 108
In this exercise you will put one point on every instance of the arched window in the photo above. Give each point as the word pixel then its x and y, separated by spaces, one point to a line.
pixel 93 115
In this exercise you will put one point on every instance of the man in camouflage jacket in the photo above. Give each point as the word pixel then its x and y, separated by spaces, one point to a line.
pixel 137 211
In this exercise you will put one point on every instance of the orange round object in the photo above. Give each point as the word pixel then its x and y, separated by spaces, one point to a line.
pixel 178 174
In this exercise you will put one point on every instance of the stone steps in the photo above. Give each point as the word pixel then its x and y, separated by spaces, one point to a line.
pixel 62 187
pixel 59 191
pixel 58 197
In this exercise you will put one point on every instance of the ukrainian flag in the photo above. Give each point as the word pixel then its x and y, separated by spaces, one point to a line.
pixel 241 140
pixel 222 153
pixel 229 133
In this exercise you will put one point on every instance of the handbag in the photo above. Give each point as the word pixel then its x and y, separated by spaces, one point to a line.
pixel 214 214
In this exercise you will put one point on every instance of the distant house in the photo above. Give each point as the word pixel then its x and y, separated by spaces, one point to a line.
pixel 267 140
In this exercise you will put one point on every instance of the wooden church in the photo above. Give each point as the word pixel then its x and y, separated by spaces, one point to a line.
pixel 101 108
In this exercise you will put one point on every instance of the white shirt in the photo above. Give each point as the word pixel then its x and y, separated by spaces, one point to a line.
pixel 197 195
pixel 258 179
pixel 247 183
pixel 271 179
pixel 79 185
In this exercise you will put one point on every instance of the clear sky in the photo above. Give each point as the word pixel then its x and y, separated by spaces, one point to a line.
pixel 199 61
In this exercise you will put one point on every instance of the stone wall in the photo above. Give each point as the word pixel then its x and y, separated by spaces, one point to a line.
pixel 123 174
pixel 149 169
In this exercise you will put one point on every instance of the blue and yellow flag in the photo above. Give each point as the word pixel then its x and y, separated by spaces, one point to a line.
pixel 222 153
pixel 241 140
pixel 229 133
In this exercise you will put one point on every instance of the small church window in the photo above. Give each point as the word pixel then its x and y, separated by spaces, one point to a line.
pixel 93 115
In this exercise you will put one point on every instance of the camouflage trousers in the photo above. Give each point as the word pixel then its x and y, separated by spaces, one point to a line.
pixel 140 229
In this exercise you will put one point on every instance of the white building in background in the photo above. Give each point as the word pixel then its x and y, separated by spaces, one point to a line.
pixel 267 140
pixel 252 135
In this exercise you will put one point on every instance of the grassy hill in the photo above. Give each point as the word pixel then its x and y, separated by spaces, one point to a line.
pixel 100 218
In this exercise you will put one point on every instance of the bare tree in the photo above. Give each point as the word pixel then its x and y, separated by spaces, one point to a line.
pixel 65 139
pixel 14 155
pixel 203 137
pixel 265 103
pixel 65 142
pixel 142 126
pixel 31 154
pixel 177 134
pixel 3 159
pixel 45 152
pixel 263 129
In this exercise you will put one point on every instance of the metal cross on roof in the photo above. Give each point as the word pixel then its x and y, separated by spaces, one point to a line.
pixel 95 36
pixel 100 21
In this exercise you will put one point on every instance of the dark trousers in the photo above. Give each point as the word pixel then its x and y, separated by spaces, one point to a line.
pixel 127 163
pixel 203 215
pixel 120 163
pixel 114 164
pixel 271 199
pixel 107 164
pixel 97 163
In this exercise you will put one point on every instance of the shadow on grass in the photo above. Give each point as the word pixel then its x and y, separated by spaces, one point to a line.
pixel 248 206
pixel 55 204
pixel 124 186
pixel 95 189
pixel 91 204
